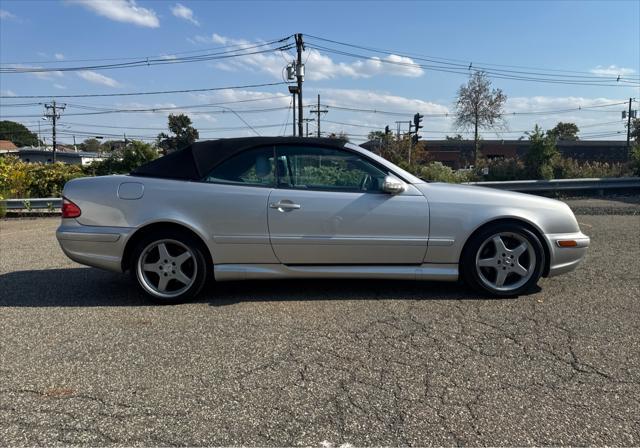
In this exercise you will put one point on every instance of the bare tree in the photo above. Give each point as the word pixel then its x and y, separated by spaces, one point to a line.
pixel 478 106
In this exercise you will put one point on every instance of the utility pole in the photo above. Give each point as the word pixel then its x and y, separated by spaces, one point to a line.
pixel 318 111
pixel 399 123
pixel 52 111
pixel 300 78
pixel 629 125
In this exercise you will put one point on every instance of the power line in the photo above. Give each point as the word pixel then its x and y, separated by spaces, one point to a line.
pixel 154 61
pixel 205 112
pixel 491 73
pixel 464 63
pixel 165 54
pixel 541 75
pixel 534 112
pixel 158 92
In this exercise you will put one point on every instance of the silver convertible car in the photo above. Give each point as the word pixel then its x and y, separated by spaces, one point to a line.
pixel 286 207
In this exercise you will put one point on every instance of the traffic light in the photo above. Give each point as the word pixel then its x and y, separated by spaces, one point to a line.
pixel 417 119
pixel 387 131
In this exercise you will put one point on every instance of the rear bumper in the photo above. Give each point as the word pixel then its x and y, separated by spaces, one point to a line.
pixel 566 259
pixel 100 247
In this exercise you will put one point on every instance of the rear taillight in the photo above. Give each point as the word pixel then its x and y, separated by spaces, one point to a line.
pixel 69 209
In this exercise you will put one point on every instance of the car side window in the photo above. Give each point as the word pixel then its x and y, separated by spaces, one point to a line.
pixel 251 167
pixel 317 168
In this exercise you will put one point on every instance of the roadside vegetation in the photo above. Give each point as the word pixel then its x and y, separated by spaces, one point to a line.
pixel 30 180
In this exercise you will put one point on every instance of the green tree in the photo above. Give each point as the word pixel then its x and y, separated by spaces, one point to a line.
pixel 339 136
pixel 124 160
pixel 17 133
pixel 90 145
pixel 564 131
pixel 635 130
pixel 183 134
pixel 377 135
pixel 479 107
pixel 457 137
pixel 635 150
pixel 542 153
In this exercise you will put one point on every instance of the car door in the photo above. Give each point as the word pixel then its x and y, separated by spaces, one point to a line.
pixel 236 206
pixel 329 208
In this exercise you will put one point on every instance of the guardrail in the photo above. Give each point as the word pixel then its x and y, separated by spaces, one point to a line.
pixel 33 203
pixel 525 186
pixel 532 186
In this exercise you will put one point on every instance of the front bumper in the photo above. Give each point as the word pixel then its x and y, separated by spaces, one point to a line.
pixel 100 247
pixel 566 259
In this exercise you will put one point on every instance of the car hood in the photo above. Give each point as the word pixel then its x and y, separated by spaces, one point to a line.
pixel 488 196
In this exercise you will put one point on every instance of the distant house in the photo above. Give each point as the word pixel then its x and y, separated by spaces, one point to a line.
pixel 459 153
pixel 7 145
pixel 28 154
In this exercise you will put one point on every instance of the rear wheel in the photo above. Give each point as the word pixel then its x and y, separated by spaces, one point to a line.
pixel 503 260
pixel 169 266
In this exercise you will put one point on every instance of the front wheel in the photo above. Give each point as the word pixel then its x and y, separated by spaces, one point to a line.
pixel 169 266
pixel 503 260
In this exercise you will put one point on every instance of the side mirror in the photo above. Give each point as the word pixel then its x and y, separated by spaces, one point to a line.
pixel 393 185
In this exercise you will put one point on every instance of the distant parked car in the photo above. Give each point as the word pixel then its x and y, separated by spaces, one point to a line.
pixel 277 208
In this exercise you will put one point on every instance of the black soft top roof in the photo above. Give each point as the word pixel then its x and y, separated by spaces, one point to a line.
pixel 198 159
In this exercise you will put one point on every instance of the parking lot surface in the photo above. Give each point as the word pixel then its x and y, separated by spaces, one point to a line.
pixel 85 359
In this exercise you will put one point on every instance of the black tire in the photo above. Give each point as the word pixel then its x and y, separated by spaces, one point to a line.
pixel 195 267
pixel 479 278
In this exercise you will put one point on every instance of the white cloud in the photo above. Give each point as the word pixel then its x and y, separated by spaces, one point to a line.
pixel 185 13
pixel 265 99
pixel 168 57
pixel 59 86
pixel 612 70
pixel 4 14
pixel 218 39
pixel 40 75
pixel 318 65
pixel 59 56
pixel 126 11
pixel 97 78
pixel 8 92
pixel 367 99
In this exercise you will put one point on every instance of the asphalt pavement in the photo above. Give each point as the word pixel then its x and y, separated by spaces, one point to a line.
pixel 86 360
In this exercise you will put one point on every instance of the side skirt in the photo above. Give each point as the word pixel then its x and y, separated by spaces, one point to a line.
pixel 427 271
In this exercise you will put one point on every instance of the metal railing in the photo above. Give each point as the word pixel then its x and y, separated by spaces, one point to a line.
pixel 525 186
pixel 34 204
pixel 532 186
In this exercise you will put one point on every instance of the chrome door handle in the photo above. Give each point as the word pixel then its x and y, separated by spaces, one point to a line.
pixel 284 206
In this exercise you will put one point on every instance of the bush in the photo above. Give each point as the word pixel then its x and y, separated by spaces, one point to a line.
pixel 23 180
pixel 437 172
pixel 635 159
pixel 501 169
pixel 542 153
pixel 3 206
pixel 573 169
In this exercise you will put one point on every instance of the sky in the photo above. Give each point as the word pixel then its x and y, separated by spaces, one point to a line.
pixel 415 57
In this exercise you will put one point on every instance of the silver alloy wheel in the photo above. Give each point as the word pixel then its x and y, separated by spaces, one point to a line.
pixel 505 261
pixel 167 268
